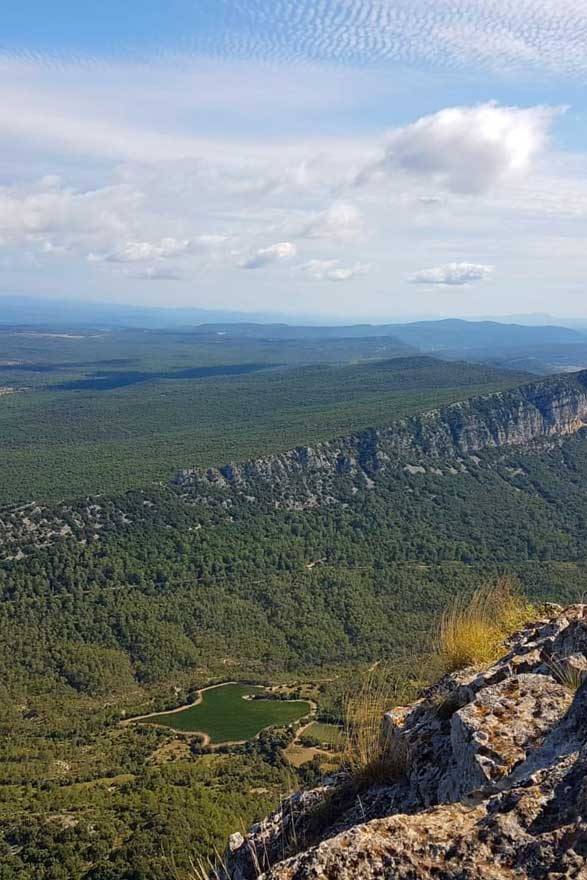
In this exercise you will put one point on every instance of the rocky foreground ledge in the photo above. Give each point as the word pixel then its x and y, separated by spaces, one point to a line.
pixel 494 785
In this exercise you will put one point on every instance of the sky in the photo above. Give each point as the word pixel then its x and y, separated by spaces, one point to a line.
pixel 357 159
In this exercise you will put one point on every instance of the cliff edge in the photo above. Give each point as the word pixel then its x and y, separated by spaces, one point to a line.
pixel 494 785
pixel 541 411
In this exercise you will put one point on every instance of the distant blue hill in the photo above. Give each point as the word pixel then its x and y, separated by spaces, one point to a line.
pixel 32 311
pixel 541 348
pixel 443 335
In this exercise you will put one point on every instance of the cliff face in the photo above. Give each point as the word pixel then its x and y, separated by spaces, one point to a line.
pixel 539 411
pixel 494 785
pixel 328 472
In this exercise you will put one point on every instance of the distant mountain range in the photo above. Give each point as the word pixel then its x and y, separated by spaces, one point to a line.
pixel 450 333
pixel 529 345
pixel 20 310
pixel 538 349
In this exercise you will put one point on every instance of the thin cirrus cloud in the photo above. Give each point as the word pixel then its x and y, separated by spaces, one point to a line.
pixel 275 253
pixel 244 150
pixel 544 35
pixel 452 274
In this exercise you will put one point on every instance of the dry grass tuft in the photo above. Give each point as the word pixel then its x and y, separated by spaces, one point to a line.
pixel 370 754
pixel 472 631
pixel 567 674
pixel 206 870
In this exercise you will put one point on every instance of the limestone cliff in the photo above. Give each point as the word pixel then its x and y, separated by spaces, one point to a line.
pixel 444 441
pixel 494 785
pixel 539 411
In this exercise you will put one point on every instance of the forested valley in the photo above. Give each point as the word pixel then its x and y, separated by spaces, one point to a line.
pixel 128 582
pixel 174 595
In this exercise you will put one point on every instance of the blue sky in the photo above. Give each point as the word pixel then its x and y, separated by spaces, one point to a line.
pixel 359 158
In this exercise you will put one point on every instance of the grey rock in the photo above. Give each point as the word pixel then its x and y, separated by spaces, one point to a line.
pixel 496 787
pixel 496 730
pixel 541 411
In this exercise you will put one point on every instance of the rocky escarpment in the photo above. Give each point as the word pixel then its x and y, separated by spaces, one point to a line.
pixel 494 785
pixel 444 442
pixel 539 411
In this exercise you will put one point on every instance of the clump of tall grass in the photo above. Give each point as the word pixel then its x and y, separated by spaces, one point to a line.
pixel 568 675
pixel 206 869
pixel 372 753
pixel 472 630
pixel 216 869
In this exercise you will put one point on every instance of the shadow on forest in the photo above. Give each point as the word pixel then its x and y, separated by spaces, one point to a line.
pixel 106 381
pixel 26 367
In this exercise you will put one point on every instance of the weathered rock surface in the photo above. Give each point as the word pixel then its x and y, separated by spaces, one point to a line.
pixel 495 786
pixel 553 408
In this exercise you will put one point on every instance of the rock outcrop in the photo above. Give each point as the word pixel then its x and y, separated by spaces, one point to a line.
pixel 544 410
pixel 494 785
pixel 443 442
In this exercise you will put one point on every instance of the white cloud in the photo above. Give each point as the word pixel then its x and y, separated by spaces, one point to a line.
pixel 115 224
pixel 467 149
pixel 275 253
pixel 47 247
pixel 341 221
pixel 208 240
pixel 331 270
pixel 452 274
pixel 139 251
pixel 543 35
pixel 37 212
pixel 124 110
pixel 183 176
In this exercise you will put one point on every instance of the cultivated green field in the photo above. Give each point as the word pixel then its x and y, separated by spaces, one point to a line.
pixel 226 716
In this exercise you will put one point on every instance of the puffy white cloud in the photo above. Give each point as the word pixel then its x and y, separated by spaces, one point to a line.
pixel 62 218
pixel 467 149
pixel 331 270
pixel 452 274
pixel 116 224
pixel 150 209
pixel 275 253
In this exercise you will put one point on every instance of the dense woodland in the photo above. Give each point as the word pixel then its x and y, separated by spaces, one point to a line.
pixel 143 595
pixel 157 607
pixel 104 412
